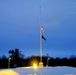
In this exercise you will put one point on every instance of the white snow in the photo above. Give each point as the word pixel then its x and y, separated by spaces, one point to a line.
pixel 44 71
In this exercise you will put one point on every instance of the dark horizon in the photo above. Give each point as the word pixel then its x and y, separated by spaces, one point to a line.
pixel 31 54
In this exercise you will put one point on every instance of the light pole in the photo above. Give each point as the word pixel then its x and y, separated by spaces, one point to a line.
pixel 48 61
pixel 9 62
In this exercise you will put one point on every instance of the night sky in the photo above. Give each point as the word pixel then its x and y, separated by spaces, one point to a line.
pixel 20 27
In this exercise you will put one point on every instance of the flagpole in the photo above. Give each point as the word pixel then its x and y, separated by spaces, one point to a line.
pixel 40 44
pixel 40 37
pixel 40 64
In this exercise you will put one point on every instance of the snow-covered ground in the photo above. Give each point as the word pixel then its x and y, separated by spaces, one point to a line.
pixel 43 71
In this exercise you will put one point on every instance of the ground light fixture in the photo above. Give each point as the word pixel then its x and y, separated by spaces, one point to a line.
pixel 35 66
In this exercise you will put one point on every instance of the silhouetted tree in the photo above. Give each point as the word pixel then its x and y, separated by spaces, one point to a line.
pixel 72 61
pixel 16 57
pixel 4 57
pixel 3 62
pixel 18 60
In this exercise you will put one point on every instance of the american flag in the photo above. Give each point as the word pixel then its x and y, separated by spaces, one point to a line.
pixel 42 29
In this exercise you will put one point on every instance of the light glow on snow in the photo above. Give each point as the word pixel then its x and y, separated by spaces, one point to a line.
pixel 8 72
pixel 39 71
pixel 26 67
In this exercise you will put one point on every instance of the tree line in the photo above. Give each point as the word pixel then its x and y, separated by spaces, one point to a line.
pixel 17 59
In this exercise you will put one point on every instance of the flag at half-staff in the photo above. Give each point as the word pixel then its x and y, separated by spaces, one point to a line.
pixel 42 29
pixel 43 37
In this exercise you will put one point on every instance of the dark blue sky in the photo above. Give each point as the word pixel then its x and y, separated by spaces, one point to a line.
pixel 20 27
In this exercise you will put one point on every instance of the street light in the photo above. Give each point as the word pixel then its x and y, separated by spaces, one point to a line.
pixel 9 62
pixel 48 61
